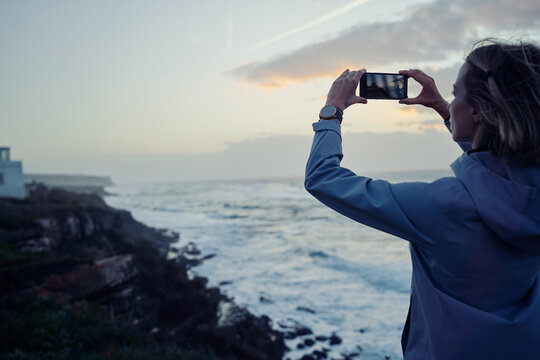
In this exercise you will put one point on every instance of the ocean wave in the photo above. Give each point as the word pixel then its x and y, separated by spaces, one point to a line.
pixel 273 239
pixel 381 276
pixel 318 254
pixel 167 210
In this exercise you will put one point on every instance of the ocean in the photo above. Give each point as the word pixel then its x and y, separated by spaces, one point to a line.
pixel 281 253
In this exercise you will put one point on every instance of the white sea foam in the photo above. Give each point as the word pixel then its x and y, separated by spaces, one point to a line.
pixel 280 249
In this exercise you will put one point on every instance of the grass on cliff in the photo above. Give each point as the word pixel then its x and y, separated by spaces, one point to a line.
pixel 21 269
pixel 32 328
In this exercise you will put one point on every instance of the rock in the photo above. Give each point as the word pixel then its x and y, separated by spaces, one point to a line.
pixel 230 314
pixel 174 236
pixel 309 342
pixel 190 255
pixel 91 252
pixel 265 298
pixel 120 300
pixel 88 225
pixel 116 269
pixel 306 309
pixel 38 245
pixel 87 280
pixel 303 331
pixel 288 323
pixel 50 229
pixel 294 329
pixel 335 340
pixel 251 337
pixel 318 354
pixel 191 249
pixel 72 228
pixel 49 236
pixel 289 335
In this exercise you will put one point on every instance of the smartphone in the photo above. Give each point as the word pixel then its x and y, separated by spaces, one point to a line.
pixel 383 86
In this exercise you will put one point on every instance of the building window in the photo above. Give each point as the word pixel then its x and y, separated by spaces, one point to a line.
pixel 4 154
pixel 1 179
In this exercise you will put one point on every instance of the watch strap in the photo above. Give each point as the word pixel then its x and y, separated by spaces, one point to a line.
pixel 331 112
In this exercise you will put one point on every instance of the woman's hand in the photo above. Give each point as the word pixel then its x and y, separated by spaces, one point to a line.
pixel 429 96
pixel 343 91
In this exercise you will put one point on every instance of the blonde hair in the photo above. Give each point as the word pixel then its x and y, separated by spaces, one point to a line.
pixel 503 86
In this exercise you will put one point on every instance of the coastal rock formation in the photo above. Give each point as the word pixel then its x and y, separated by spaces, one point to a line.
pixel 73 247
pixel 85 280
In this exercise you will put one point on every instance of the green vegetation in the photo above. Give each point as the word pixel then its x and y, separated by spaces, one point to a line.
pixel 19 268
pixel 32 328
pixel 10 220
pixel 11 255
pixel 64 237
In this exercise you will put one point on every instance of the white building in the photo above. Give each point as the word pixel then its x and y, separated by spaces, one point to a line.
pixel 11 176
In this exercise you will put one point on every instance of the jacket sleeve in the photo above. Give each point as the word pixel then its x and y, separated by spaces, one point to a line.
pixel 413 211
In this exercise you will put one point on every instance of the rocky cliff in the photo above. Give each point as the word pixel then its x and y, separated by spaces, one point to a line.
pixel 74 248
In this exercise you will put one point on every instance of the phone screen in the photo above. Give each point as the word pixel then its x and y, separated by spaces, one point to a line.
pixel 383 86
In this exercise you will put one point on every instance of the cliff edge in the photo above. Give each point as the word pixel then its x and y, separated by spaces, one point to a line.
pixel 70 249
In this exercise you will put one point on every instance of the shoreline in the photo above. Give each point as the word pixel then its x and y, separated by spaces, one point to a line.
pixel 72 248
pixel 176 207
pixel 294 340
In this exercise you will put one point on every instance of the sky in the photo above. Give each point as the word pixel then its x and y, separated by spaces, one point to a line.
pixel 199 90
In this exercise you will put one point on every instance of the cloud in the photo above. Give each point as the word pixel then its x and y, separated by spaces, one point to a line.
pixel 424 126
pixel 409 110
pixel 430 33
pixel 444 79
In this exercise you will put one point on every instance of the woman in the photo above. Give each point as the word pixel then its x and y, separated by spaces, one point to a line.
pixel 474 238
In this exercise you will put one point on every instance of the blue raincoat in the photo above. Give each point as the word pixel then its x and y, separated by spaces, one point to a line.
pixel 474 242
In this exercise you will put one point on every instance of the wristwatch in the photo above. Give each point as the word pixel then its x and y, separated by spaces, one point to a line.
pixel 331 112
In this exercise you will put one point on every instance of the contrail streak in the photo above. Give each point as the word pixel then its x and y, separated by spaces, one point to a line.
pixel 318 21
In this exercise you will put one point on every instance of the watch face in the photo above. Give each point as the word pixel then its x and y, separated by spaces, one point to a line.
pixel 328 111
